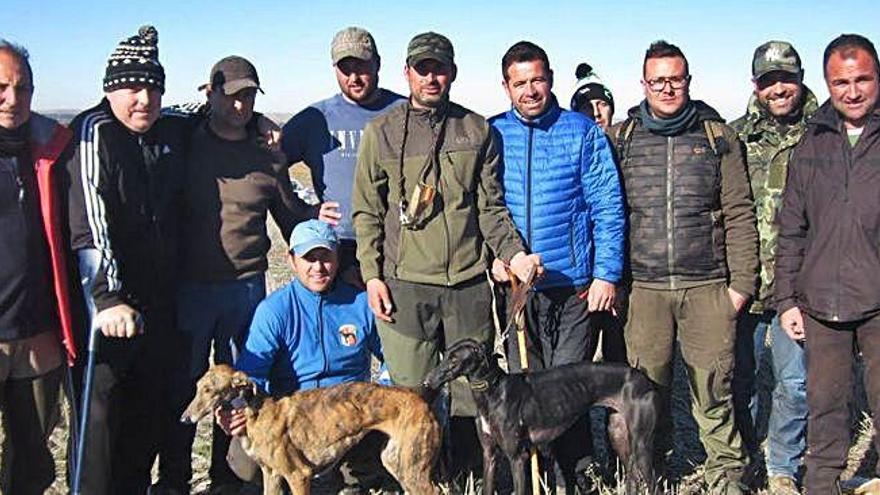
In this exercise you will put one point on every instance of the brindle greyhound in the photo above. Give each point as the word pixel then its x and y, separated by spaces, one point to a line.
pixel 299 435
pixel 515 411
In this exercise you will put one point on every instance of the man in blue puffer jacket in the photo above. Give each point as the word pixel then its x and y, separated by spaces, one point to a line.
pixel 563 191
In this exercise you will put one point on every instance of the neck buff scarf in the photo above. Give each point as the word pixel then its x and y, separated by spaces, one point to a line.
pixel 13 142
pixel 672 126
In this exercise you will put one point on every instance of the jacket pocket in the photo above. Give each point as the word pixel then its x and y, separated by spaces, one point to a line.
pixel 719 246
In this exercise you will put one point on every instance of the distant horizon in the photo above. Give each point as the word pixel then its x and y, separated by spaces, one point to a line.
pixel 289 43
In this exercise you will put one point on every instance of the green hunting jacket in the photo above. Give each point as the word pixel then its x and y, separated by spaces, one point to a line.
pixel 768 147
pixel 467 219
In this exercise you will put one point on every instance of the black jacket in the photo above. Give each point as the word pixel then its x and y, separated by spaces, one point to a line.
pixel 125 199
pixel 828 257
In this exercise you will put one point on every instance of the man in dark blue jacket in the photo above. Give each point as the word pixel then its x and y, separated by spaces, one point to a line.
pixel 563 191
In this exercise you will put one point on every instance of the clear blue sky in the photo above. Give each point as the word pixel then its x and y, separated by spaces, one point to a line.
pixel 289 42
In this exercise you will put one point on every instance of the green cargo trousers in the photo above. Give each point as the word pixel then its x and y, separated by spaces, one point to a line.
pixel 703 320
pixel 427 320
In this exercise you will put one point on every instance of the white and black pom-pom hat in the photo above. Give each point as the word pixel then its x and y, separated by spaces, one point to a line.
pixel 135 63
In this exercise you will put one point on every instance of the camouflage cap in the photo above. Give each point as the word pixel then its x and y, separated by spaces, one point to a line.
pixel 773 56
pixel 429 45
pixel 353 42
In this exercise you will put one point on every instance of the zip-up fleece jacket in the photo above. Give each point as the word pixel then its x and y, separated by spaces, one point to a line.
pixel 300 339
pixel 32 219
pixel 828 257
pixel 468 212
pixel 125 200
pixel 563 191
pixel 691 215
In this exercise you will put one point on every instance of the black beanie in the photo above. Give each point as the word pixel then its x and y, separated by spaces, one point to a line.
pixel 135 62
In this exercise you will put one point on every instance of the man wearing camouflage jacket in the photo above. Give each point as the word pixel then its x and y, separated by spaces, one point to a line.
pixel 774 122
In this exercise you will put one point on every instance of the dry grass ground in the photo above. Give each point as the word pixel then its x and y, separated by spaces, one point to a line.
pixel 686 463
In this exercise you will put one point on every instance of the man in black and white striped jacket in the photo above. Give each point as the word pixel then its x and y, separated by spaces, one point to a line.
pixel 125 189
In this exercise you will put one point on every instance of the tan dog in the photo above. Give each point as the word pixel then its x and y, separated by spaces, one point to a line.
pixel 302 434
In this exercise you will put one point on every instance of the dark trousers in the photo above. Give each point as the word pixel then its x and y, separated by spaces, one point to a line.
pixel 30 413
pixel 558 333
pixel 209 316
pixel 130 407
pixel 831 349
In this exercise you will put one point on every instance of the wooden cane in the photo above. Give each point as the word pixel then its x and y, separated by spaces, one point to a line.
pixel 519 318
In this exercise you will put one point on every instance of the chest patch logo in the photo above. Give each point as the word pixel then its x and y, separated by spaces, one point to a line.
pixel 348 335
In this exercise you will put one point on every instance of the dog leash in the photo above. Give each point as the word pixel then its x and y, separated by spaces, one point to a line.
pixel 519 297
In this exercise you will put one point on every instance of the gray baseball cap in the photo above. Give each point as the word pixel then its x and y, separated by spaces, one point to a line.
pixel 775 56
pixel 353 42
pixel 429 45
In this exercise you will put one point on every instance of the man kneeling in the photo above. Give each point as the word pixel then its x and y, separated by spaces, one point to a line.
pixel 316 331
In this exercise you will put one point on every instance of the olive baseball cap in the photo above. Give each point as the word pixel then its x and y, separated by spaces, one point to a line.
pixel 775 56
pixel 353 42
pixel 429 45
pixel 233 74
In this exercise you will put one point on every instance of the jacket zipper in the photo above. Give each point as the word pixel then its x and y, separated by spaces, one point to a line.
pixel 529 189
pixel 670 214
pixel 325 368
pixel 847 153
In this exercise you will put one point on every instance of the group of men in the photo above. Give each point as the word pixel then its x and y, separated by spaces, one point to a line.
pixel 150 228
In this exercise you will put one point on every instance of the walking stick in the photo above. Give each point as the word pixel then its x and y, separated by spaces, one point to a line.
pixel 85 406
pixel 518 302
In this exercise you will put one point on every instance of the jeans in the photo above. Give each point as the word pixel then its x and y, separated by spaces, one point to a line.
pixel 209 315
pixel 786 430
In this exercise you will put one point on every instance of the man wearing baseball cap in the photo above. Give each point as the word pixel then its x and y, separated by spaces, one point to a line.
pixel 775 120
pixel 232 184
pixel 317 331
pixel 429 211
pixel 326 135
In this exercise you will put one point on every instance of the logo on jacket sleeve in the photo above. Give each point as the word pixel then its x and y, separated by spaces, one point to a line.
pixel 348 335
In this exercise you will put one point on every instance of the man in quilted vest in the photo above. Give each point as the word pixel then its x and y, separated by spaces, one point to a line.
pixel 693 252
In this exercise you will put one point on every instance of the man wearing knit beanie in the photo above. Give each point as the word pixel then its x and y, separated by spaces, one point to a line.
pixel 125 187
pixel 592 98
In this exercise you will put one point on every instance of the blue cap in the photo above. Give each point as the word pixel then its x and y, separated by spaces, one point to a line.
pixel 312 234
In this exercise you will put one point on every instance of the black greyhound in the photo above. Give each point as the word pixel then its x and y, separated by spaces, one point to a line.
pixel 516 411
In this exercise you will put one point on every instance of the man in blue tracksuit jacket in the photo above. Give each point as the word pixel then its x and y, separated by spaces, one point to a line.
pixel 563 191
pixel 316 331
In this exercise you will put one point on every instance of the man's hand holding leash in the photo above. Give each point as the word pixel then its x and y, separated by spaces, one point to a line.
pixel 231 421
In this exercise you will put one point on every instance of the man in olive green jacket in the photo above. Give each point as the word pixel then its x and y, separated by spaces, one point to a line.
pixel 428 209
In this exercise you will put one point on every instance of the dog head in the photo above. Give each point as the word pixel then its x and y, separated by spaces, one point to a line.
pixel 465 358
pixel 221 385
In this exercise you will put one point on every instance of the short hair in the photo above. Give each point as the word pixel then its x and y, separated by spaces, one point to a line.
pixel 846 45
pixel 663 49
pixel 19 52
pixel 524 51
